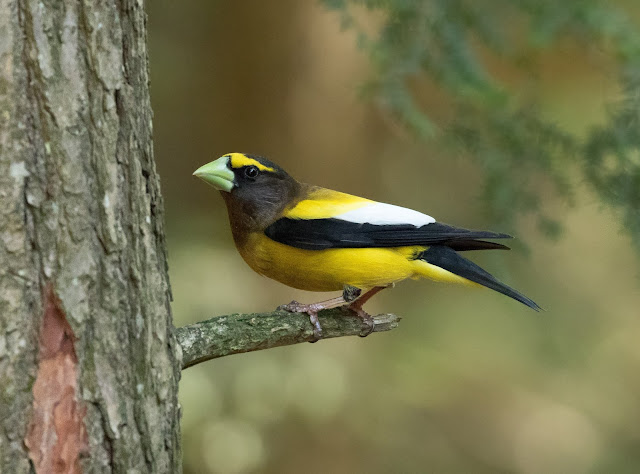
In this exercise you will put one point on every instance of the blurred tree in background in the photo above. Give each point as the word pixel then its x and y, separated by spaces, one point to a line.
pixel 540 97
pixel 456 45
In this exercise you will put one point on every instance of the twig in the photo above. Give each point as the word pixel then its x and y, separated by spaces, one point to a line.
pixel 236 333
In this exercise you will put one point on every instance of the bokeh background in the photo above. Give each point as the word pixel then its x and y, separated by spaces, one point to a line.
pixel 471 381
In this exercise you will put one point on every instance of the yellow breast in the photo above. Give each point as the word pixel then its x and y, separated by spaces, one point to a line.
pixel 331 269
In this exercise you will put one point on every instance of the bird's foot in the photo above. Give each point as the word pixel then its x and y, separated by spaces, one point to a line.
pixel 356 307
pixel 311 310
pixel 366 317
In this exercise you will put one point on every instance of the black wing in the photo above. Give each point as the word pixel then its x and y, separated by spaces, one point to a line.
pixel 319 234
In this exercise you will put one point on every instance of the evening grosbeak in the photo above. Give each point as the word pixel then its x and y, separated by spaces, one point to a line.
pixel 316 239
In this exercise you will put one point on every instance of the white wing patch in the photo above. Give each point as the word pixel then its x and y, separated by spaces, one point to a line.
pixel 379 213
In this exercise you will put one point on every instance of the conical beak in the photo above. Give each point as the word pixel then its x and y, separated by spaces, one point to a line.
pixel 217 174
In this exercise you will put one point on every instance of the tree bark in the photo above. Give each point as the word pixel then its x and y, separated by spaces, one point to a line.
pixel 88 371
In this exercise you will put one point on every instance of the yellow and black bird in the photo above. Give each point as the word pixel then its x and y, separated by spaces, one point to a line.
pixel 316 239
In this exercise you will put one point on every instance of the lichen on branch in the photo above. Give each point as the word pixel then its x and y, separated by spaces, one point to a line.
pixel 237 333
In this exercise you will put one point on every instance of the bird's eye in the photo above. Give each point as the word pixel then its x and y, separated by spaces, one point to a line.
pixel 251 172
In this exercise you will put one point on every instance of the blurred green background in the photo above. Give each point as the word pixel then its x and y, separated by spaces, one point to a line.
pixel 471 381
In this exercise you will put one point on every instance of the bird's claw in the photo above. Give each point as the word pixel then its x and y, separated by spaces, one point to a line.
pixel 372 326
pixel 367 318
pixel 317 329
pixel 296 307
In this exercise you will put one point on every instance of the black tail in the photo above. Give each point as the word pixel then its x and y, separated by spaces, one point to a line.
pixel 461 245
pixel 447 258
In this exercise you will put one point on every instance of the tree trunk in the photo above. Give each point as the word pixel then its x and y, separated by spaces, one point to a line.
pixel 88 371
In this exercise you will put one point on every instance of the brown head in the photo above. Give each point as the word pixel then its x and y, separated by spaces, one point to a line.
pixel 255 190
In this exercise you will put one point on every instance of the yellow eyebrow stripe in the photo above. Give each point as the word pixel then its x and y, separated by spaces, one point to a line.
pixel 325 204
pixel 238 160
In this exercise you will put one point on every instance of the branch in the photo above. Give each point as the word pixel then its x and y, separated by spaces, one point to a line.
pixel 236 333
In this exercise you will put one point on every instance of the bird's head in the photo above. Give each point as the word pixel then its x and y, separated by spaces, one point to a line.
pixel 250 184
pixel 238 170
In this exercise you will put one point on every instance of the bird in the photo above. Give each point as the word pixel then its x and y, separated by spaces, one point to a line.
pixel 316 239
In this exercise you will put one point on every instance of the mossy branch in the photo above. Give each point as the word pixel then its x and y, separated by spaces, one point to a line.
pixel 236 333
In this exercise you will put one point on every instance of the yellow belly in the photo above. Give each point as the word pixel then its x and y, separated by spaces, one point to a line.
pixel 332 269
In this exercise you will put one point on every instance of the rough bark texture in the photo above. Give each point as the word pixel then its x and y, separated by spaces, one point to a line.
pixel 236 333
pixel 88 373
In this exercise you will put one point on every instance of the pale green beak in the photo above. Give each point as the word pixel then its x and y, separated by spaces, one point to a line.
pixel 217 174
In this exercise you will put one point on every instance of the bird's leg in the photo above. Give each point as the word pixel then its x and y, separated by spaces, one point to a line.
pixel 356 307
pixel 349 294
